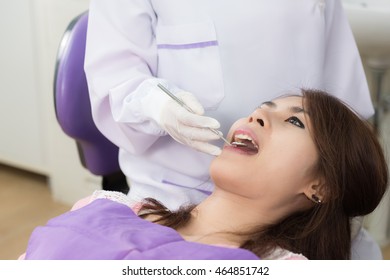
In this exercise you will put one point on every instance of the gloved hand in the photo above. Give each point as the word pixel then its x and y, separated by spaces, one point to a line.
pixel 188 128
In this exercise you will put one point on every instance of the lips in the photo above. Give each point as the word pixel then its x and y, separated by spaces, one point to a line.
pixel 249 142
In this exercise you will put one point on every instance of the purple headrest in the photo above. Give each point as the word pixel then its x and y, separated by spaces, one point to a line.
pixel 72 104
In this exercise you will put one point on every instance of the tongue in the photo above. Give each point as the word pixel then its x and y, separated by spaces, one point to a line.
pixel 250 148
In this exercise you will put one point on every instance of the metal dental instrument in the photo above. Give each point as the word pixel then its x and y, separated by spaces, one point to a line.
pixel 181 103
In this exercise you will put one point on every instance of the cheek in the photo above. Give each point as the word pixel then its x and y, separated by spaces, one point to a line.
pixel 293 162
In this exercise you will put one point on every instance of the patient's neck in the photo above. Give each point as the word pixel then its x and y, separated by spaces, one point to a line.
pixel 222 219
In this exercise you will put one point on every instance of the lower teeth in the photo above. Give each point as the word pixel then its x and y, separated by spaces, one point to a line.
pixel 239 144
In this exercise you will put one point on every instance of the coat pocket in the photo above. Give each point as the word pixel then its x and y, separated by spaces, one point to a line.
pixel 188 56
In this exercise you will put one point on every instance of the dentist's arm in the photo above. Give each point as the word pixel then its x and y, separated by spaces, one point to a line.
pixel 121 65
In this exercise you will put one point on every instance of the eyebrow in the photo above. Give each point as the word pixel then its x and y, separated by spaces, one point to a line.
pixel 293 109
pixel 269 104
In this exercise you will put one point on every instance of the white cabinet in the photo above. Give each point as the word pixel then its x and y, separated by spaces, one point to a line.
pixel 30 137
pixel 22 130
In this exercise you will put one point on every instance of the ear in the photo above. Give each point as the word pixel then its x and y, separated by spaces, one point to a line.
pixel 315 192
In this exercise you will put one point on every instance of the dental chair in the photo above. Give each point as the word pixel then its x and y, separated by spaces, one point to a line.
pixel 97 153
pixel 73 110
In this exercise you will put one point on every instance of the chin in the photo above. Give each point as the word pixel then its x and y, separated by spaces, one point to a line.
pixel 222 172
pixel 217 171
pixel 213 167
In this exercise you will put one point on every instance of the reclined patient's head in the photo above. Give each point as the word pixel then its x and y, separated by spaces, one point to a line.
pixel 304 151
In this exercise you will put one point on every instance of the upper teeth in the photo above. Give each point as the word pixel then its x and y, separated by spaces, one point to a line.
pixel 245 137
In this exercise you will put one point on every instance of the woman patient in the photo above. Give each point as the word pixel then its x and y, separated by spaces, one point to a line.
pixel 309 165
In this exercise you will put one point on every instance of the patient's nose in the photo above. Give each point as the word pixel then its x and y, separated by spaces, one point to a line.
pixel 257 119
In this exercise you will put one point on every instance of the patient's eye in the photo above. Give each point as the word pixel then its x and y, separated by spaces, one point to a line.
pixel 295 121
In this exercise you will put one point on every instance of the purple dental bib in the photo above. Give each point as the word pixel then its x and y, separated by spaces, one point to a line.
pixel 107 230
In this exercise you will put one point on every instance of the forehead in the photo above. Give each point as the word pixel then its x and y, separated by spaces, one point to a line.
pixel 293 100
pixel 293 103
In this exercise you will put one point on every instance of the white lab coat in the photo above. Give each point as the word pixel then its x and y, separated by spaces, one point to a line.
pixel 232 55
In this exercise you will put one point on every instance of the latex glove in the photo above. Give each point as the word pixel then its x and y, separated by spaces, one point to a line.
pixel 187 128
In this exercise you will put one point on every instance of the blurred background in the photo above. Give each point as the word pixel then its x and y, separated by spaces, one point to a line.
pixel 40 171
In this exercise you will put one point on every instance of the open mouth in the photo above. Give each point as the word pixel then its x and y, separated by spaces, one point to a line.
pixel 245 143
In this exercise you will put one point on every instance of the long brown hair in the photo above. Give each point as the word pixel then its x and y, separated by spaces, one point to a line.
pixel 355 173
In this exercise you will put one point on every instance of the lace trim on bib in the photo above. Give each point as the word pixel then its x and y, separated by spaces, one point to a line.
pixel 281 254
pixel 114 196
